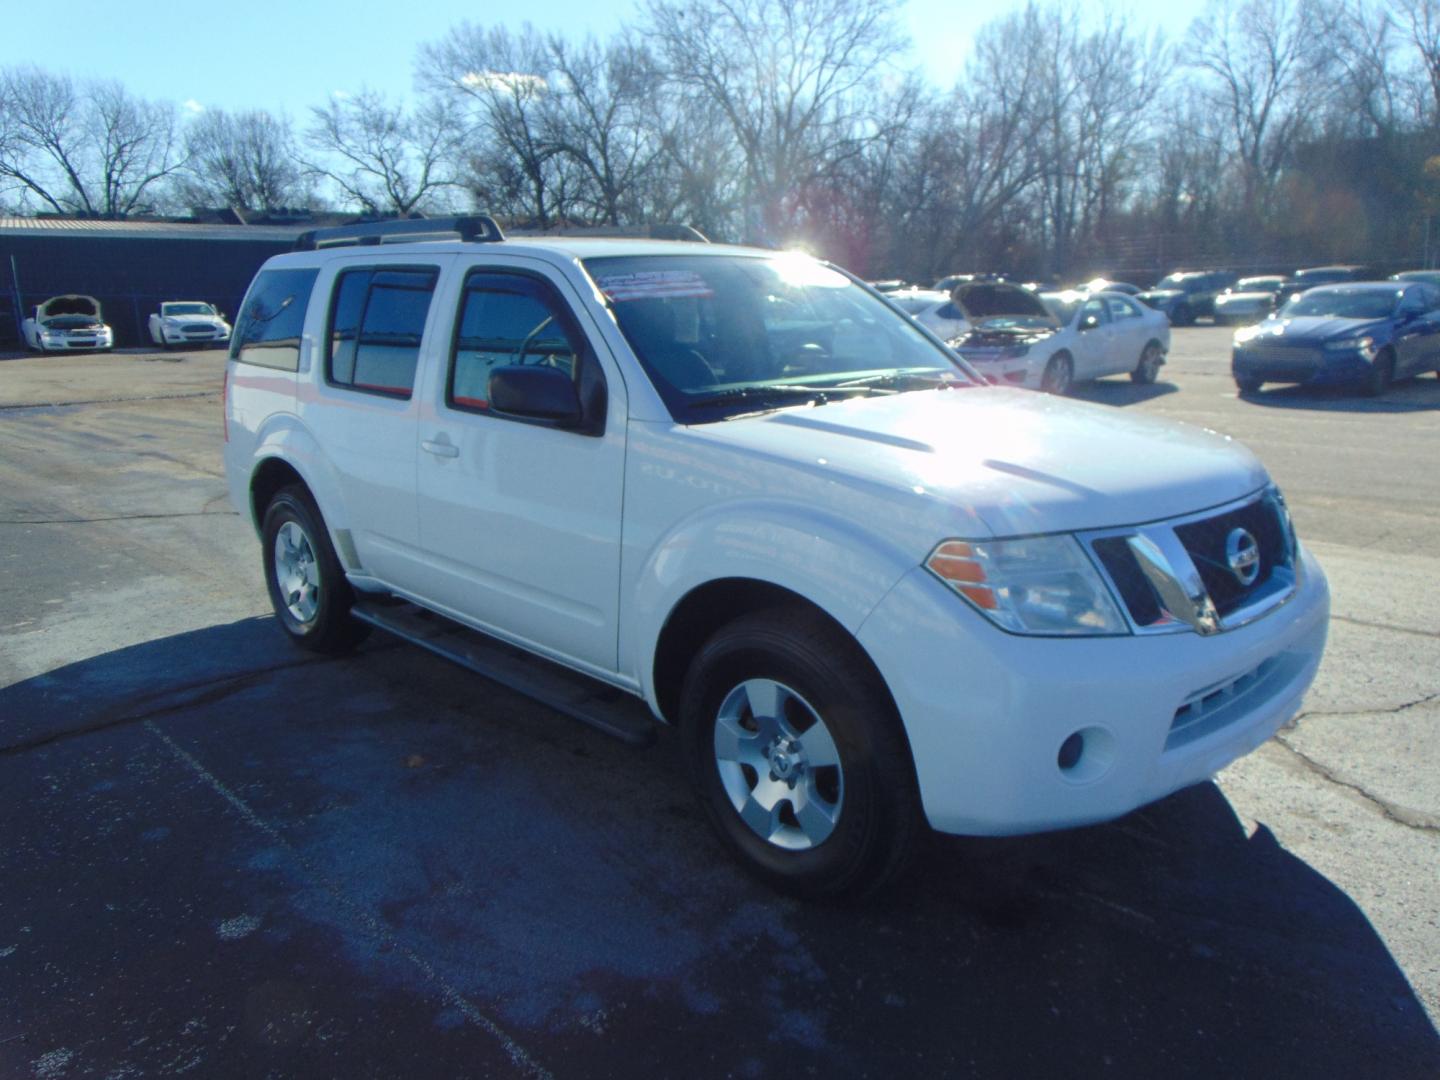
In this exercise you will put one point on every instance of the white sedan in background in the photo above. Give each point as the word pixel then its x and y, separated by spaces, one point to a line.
pixel 932 309
pixel 188 322
pixel 1051 341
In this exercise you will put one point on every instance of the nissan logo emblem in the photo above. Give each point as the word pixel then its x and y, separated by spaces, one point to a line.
pixel 1242 555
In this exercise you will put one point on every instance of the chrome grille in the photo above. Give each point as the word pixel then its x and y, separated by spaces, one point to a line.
pixel 1176 575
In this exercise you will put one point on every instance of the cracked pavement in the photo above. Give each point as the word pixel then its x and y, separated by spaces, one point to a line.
pixel 227 858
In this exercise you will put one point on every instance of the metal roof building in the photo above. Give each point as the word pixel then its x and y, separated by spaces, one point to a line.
pixel 129 266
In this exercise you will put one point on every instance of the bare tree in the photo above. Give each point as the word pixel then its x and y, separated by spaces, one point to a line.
pixel 245 160
pixel 789 76
pixel 1258 59
pixel 597 118
pixel 696 178
pixel 502 78
pixel 89 148
pixel 1419 23
pixel 383 158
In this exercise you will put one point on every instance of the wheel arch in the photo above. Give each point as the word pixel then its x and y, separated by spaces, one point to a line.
pixel 269 476
pixel 706 608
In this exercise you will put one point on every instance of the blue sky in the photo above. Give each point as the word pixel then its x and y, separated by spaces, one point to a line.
pixel 287 56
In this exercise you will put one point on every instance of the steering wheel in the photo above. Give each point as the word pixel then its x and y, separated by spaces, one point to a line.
pixel 530 339
pixel 805 359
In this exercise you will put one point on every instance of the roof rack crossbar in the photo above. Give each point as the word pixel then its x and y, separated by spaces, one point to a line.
pixel 662 231
pixel 480 228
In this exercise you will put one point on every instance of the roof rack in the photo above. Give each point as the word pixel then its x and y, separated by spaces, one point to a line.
pixel 664 231
pixel 474 227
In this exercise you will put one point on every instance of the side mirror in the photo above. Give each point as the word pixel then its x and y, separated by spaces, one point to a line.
pixel 1089 322
pixel 537 393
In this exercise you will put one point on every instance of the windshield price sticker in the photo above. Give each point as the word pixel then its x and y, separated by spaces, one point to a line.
pixel 654 285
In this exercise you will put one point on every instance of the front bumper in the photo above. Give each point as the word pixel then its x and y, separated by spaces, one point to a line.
pixel 194 335
pixel 1312 366
pixel 987 712
pixel 1023 371
pixel 83 342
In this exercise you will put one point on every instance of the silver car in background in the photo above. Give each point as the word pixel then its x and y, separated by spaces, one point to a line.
pixel 1249 300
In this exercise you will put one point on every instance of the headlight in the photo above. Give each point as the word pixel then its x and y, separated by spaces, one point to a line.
pixel 169 324
pixel 1363 345
pixel 1246 333
pixel 1042 585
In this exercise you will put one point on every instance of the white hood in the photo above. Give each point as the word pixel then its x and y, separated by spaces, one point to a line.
pixel 1014 461
pixel 70 304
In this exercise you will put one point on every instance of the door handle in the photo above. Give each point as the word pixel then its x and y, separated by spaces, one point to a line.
pixel 441 447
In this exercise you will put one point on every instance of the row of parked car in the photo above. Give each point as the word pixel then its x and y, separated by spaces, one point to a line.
pixel 75 323
pixel 1321 325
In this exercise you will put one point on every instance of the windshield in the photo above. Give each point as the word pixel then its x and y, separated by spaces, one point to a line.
pixel 1174 281
pixel 1321 277
pixel 187 309
pixel 915 304
pixel 1342 304
pixel 727 334
pixel 1259 284
pixel 1062 305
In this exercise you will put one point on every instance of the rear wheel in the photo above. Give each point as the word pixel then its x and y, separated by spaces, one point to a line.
pixel 1148 367
pixel 308 590
pixel 798 756
pixel 1059 375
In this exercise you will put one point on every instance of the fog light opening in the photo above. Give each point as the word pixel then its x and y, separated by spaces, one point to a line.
pixel 1070 751
pixel 1086 755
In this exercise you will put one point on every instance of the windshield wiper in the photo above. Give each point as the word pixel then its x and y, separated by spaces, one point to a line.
pixel 785 394
pixel 907 380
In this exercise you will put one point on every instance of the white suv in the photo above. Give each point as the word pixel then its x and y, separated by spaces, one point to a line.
pixel 739 487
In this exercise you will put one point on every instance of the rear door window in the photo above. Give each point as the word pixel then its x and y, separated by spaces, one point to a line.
pixel 377 321
pixel 1121 309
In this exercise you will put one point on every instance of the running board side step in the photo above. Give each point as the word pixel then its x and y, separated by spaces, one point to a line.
pixel 603 707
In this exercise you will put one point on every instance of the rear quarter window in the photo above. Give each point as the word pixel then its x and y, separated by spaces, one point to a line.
pixel 267 332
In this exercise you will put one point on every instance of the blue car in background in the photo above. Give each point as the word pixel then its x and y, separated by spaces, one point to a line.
pixel 1363 333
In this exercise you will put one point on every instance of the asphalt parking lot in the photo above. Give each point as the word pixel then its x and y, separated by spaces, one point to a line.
pixel 225 858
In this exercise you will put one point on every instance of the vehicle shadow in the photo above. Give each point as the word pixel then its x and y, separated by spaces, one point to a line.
pixel 387 830
pixel 1420 394
pixel 1121 391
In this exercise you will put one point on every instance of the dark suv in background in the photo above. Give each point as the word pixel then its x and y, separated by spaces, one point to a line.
pixel 1186 295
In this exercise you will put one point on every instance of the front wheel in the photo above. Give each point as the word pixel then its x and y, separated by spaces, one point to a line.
pixel 1382 373
pixel 1248 384
pixel 1148 368
pixel 307 586
pixel 1059 375
pixel 798 756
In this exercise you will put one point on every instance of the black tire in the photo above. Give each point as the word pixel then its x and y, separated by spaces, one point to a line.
pixel 1059 376
pixel 1147 368
pixel 1382 374
pixel 868 797
pixel 1183 316
pixel 318 621
pixel 1248 384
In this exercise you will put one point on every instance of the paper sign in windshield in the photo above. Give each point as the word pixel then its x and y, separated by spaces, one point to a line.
pixel 653 285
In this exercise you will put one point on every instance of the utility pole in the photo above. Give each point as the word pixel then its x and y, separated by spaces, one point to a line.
pixel 16 301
